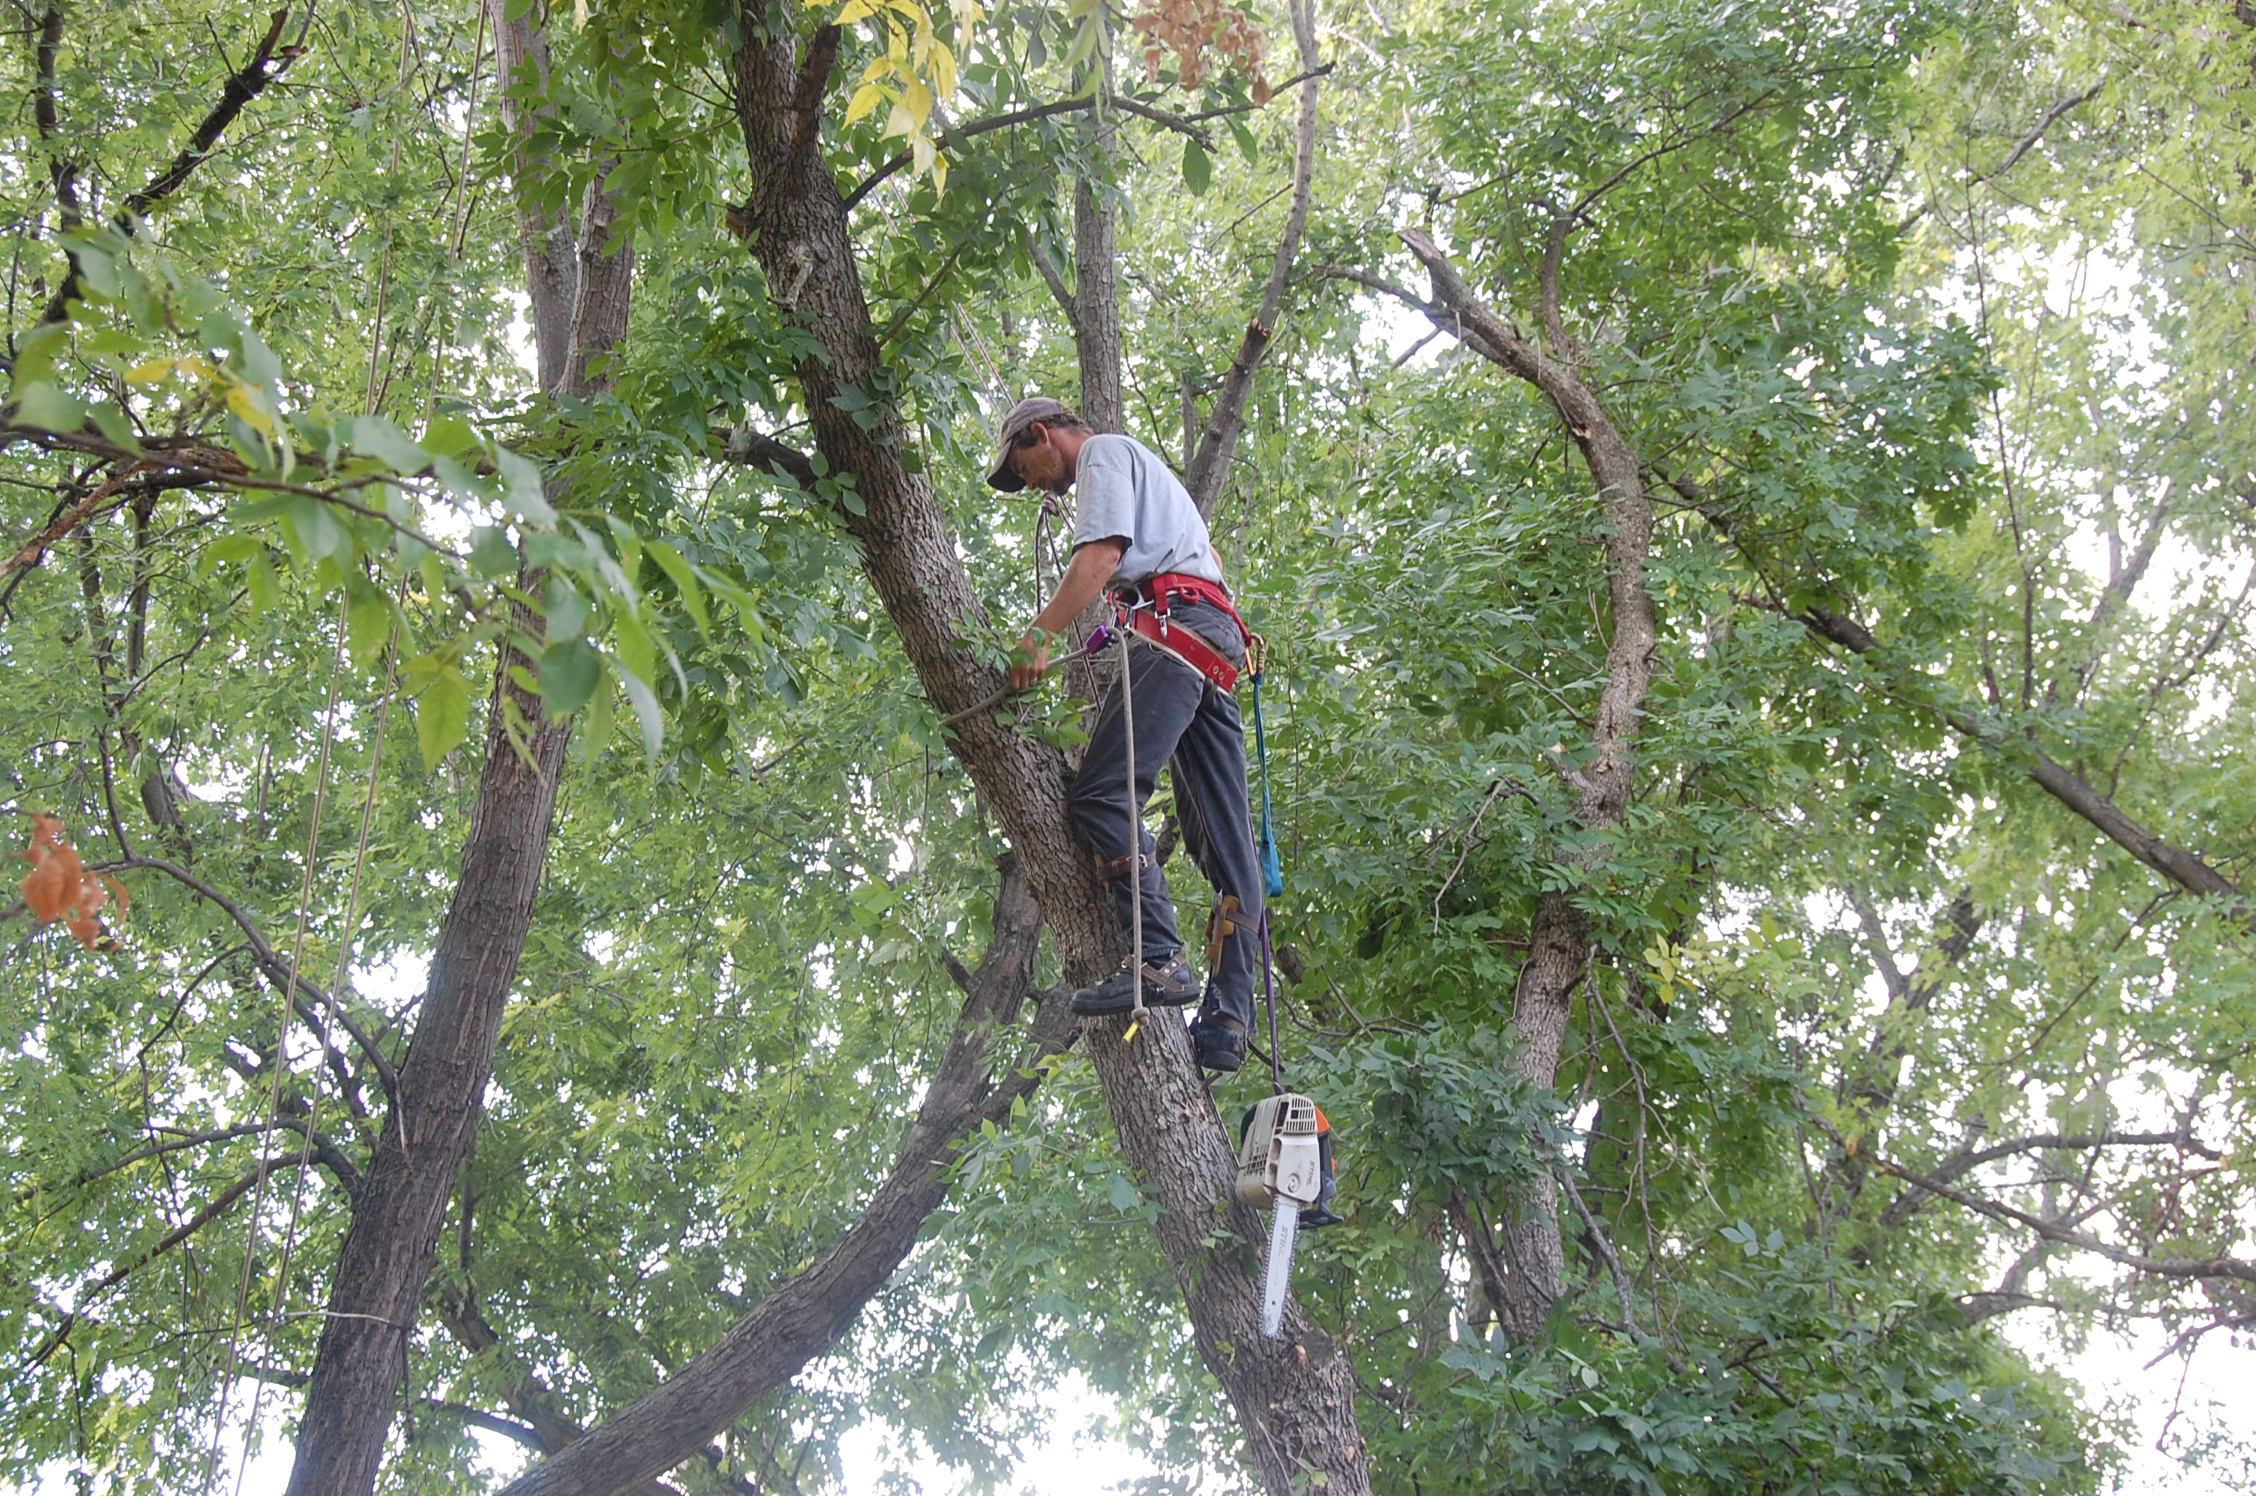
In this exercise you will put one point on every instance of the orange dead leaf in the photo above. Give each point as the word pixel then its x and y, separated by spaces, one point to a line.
pixel 52 884
pixel 59 886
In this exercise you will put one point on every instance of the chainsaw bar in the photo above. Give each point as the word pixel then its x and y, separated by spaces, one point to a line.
pixel 1276 1277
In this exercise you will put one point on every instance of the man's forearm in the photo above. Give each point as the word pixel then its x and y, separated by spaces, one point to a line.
pixel 1084 581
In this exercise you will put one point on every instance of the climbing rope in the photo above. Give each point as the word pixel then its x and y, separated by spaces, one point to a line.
pixel 325 1033
pixel 1135 838
pixel 1272 866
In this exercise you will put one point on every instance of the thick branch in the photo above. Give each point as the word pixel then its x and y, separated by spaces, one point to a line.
pixel 1293 1397
pixel 804 1316
pixel 758 449
pixel 46 110
pixel 1560 937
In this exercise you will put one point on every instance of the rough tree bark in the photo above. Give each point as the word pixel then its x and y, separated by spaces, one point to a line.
pixel 1096 268
pixel 1561 940
pixel 579 289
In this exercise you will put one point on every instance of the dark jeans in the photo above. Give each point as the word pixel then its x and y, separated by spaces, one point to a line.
pixel 1184 718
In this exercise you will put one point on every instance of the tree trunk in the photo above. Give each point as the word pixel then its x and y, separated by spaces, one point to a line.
pixel 1561 945
pixel 1293 1396
pixel 579 306
pixel 1096 267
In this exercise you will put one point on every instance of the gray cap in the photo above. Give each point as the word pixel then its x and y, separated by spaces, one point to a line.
pixel 1022 415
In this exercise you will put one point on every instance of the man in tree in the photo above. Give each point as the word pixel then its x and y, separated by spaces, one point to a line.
pixel 1138 536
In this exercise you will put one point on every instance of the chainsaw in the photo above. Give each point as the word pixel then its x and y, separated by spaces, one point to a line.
pixel 1285 1159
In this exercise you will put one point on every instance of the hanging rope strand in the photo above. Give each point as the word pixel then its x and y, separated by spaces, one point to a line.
pixel 281 1062
pixel 328 1020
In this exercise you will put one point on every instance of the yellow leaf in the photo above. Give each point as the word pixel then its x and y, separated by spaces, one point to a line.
pixel 921 154
pixel 939 174
pixel 943 70
pixel 866 98
pixel 919 100
pixel 877 69
pixel 239 400
pixel 900 121
pixel 149 371
pixel 854 10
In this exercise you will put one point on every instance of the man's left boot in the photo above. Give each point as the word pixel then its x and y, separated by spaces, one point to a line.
pixel 1218 1043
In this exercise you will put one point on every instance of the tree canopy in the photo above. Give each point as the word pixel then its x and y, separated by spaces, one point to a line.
pixel 540 932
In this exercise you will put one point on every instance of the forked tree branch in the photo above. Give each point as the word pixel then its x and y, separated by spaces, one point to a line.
pixel 211 1211
pixel 2188 1268
pixel 268 62
pixel 270 961
pixel 2181 867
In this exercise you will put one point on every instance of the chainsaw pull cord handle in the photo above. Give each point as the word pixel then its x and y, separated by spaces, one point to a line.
pixel 1272 868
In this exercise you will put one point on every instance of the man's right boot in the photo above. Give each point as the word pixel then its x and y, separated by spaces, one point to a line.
pixel 1167 984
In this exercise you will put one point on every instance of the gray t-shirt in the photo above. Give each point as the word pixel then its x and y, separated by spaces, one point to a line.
pixel 1123 491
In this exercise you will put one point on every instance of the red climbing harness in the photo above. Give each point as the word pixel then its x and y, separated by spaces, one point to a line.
pixel 1145 605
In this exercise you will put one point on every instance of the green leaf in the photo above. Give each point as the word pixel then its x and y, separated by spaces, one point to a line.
pixel 569 673
pixel 685 578
pixel 521 481
pixel 564 611
pixel 491 553
pixel 647 715
pixel 37 350
pixel 97 267
pixel 373 436
pixel 1248 147
pixel 1198 167
pixel 442 716
pixel 632 640
pixel 112 423
pixel 48 408
pixel 450 436
pixel 368 625
pixel 234 548
pixel 314 532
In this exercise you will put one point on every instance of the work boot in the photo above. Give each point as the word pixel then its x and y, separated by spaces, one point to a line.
pixel 1168 984
pixel 1218 1043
